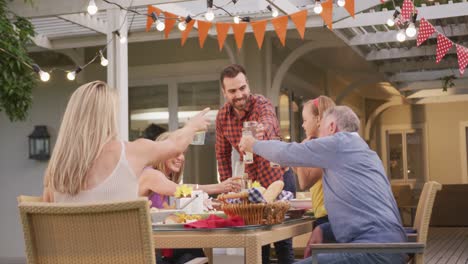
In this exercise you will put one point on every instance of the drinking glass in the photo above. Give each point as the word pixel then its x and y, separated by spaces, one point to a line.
pixel 252 126
pixel 273 164
pixel 248 156
pixel 199 138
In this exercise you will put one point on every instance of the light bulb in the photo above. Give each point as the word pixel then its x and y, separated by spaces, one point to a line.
pixel 401 35
pixel 341 3
pixel 92 8
pixel 71 75
pixel 104 61
pixel 182 26
pixel 274 12
pixel 318 7
pixel 237 19
pixel 160 26
pixel 411 30
pixel 45 76
pixel 123 39
pixel 209 15
pixel 390 22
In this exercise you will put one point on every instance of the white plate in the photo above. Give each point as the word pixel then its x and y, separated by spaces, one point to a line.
pixel 159 216
pixel 301 203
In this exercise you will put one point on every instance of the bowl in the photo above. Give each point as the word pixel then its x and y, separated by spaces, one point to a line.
pixel 301 203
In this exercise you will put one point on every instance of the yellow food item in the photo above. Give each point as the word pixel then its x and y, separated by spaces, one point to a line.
pixel 183 191
pixel 181 218
pixel 256 184
pixel 273 191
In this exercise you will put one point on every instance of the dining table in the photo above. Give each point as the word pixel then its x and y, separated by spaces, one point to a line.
pixel 249 237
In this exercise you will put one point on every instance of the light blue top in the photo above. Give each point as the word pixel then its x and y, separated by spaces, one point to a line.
pixel 358 197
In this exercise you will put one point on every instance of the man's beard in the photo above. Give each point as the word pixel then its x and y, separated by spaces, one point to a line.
pixel 241 107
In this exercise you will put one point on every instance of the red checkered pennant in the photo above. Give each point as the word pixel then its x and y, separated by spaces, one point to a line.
pixel 425 31
pixel 407 10
pixel 462 54
pixel 443 46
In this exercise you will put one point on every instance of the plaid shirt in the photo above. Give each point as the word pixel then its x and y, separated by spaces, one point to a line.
pixel 229 133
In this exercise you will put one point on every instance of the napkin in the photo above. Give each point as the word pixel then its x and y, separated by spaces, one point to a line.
pixel 214 221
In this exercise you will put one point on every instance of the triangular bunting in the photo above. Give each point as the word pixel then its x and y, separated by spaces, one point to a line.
pixel 222 30
pixel 327 13
pixel 149 19
pixel 281 26
pixel 239 31
pixel 259 28
pixel 407 10
pixel 186 32
pixel 425 31
pixel 462 54
pixel 170 20
pixel 203 28
pixel 299 19
pixel 443 46
pixel 349 6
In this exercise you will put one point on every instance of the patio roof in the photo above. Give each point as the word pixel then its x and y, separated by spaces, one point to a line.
pixel 412 70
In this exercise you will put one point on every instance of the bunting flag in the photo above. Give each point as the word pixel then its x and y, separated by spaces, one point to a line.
pixel 259 28
pixel 462 54
pixel 327 13
pixel 222 30
pixel 349 6
pixel 149 19
pixel 425 31
pixel 299 19
pixel 443 46
pixel 239 32
pixel 203 28
pixel 281 26
pixel 406 10
pixel 170 20
pixel 186 32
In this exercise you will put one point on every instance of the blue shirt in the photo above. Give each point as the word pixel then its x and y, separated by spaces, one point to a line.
pixel 358 197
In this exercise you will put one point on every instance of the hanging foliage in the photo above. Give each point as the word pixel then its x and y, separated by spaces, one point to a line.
pixel 16 76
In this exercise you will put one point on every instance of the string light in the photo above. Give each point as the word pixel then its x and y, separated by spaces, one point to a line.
pixel 209 15
pixel 401 36
pixel 318 7
pixel 391 21
pixel 183 24
pixel 104 61
pixel 411 29
pixel 341 3
pixel 237 19
pixel 160 26
pixel 45 76
pixel 274 11
pixel 92 8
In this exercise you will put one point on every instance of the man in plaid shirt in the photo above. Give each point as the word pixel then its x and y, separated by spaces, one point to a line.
pixel 241 106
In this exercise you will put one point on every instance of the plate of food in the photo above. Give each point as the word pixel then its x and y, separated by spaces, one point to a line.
pixel 301 203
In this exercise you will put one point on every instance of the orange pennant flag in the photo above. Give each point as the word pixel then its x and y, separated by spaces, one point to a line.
pixel 349 6
pixel 170 20
pixel 239 31
pixel 327 13
pixel 186 32
pixel 259 28
pixel 281 25
pixel 299 19
pixel 149 19
pixel 222 29
pixel 203 28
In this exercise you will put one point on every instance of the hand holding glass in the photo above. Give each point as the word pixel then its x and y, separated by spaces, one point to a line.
pixel 248 156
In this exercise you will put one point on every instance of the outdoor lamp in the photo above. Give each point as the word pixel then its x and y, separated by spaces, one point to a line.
pixel 39 143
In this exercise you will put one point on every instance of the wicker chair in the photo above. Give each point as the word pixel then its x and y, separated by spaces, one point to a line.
pixel 26 198
pixel 118 232
pixel 421 225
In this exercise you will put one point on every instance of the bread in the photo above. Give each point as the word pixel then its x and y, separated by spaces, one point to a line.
pixel 273 191
pixel 172 219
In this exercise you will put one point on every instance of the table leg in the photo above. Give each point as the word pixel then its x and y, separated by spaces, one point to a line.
pixel 253 250
pixel 209 254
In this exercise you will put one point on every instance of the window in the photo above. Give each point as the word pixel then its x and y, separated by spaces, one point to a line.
pixel 404 155
pixel 147 104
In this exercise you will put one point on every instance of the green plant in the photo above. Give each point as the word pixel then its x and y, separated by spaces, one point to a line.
pixel 447 82
pixel 16 75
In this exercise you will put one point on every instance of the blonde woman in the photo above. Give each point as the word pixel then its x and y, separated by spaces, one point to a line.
pixel 90 163
pixel 159 186
pixel 312 114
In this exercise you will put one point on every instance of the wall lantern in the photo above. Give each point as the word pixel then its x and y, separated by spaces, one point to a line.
pixel 39 143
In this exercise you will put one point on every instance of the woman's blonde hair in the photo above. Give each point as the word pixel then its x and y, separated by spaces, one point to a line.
pixel 89 122
pixel 320 104
pixel 161 166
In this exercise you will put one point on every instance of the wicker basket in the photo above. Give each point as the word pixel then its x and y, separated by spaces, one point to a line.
pixel 254 213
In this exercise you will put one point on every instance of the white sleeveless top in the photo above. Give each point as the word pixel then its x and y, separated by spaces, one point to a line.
pixel 122 184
